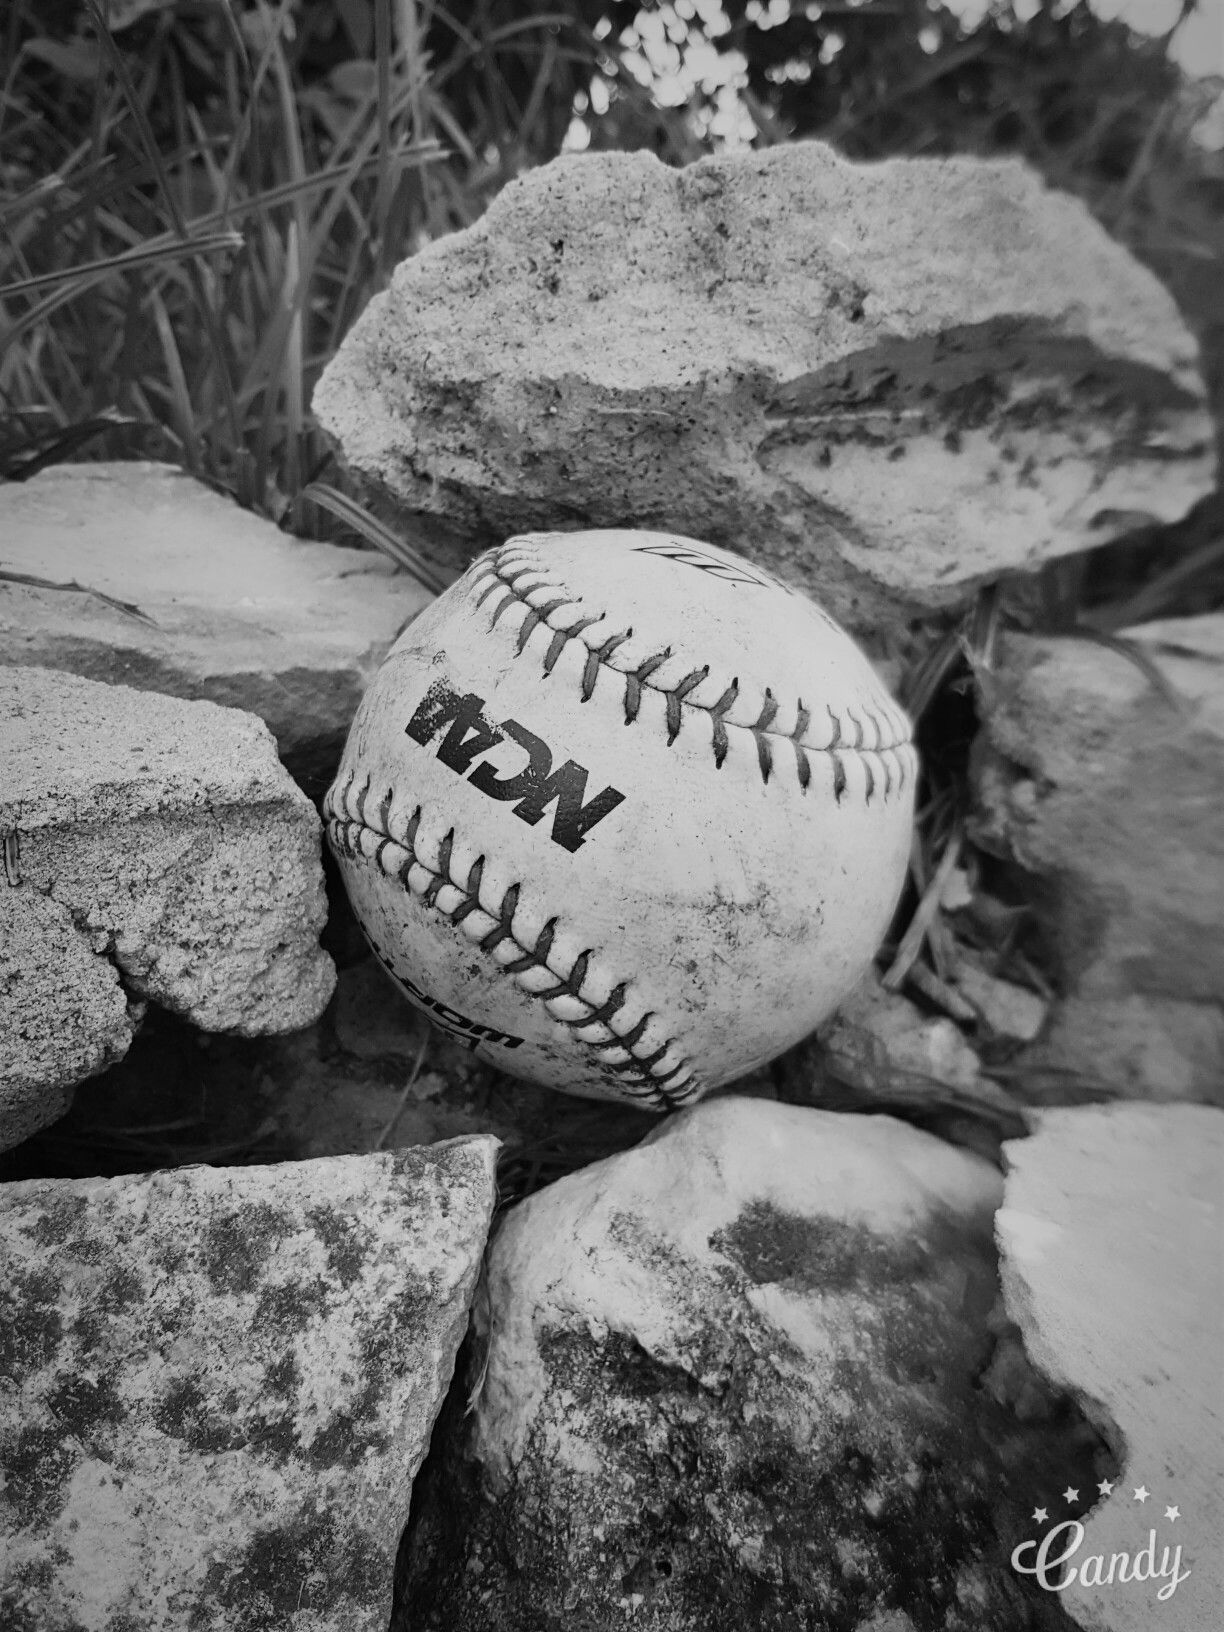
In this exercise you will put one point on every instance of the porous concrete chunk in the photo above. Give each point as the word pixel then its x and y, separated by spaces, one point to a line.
pixel 1111 1239
pixel 1108 789
pixel 45 1050
pixel 220 1384
pixel 216 602
pixel 884 381
pixel 731 1382
pixel 179 849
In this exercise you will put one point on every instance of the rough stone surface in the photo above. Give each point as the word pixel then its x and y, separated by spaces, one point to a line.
pixel 1109 793
pixel 65 1014
pixel 155 838
pixel 878 1037
pixel 233 610
pixel 1004 1009
pixel 880 1052
pixel 731 1382
pixel 1110 1239
pixel 218 1385
pixel 884 381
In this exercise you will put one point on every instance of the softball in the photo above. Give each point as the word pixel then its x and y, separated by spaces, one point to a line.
pixel 624 814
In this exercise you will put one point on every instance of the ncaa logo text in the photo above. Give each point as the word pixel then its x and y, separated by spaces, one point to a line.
pixel 529 790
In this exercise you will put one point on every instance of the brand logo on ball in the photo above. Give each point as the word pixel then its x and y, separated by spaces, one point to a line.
pixel 467 1032
pixel 730 572
pixel 530 790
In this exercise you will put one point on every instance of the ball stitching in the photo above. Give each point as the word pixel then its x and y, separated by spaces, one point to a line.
pixel 353 831
pixel 894 755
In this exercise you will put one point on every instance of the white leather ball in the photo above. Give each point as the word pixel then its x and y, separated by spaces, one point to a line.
pixel 624 813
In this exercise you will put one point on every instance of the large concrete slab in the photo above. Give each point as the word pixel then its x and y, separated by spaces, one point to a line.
pixel 154 849
pixel 887 382
pixel 216 602
pixel 218 1385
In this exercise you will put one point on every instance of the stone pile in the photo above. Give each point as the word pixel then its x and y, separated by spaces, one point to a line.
pixel 844 1349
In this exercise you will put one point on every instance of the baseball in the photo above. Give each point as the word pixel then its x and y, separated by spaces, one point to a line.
pixel 623 813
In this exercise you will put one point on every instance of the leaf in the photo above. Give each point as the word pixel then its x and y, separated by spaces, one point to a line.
pixel 41 452
pixel 361 521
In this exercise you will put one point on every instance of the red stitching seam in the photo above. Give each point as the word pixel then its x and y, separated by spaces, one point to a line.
pixel 896 757
pixel 353 834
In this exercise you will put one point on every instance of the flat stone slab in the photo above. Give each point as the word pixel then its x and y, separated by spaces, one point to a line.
pixel 219 1384
pixel 1110 1234
pixel 1106 787
pixel 229 608
pixel 886 382
pixel 154 849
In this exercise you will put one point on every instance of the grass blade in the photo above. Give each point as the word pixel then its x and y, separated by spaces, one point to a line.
pixel 370 528
pixel 180 397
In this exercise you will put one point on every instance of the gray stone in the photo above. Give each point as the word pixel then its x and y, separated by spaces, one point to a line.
pixel 64 1012
pixel 1109 792
pixel 1005 1009
pixel 233 610
pixel 1109 1237
pixel 729 1381
pixel 881 1052
pixel 881 1042
pixel 886 382
pixel 155 848
pixel 219 1385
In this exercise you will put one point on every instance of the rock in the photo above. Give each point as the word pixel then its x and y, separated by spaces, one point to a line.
pixel 1006 1010
pixel 218 603
pixel 155 848
pixel 886 382
pixel 730 1382
pixel 881 1052
pixel 89 1025
pixel 220 1384
pixel 1110 1258
pixel 878 1038
pixel 1108 792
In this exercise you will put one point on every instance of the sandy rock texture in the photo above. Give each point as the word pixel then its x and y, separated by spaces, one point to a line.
pixel 881 1052
pixel 64 1016
pixel 154 849
pixel 219 1384
pixel 168 586
pixel 884 381
pixel 1110 1240
pixel 731 1381
pixel 1106 788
